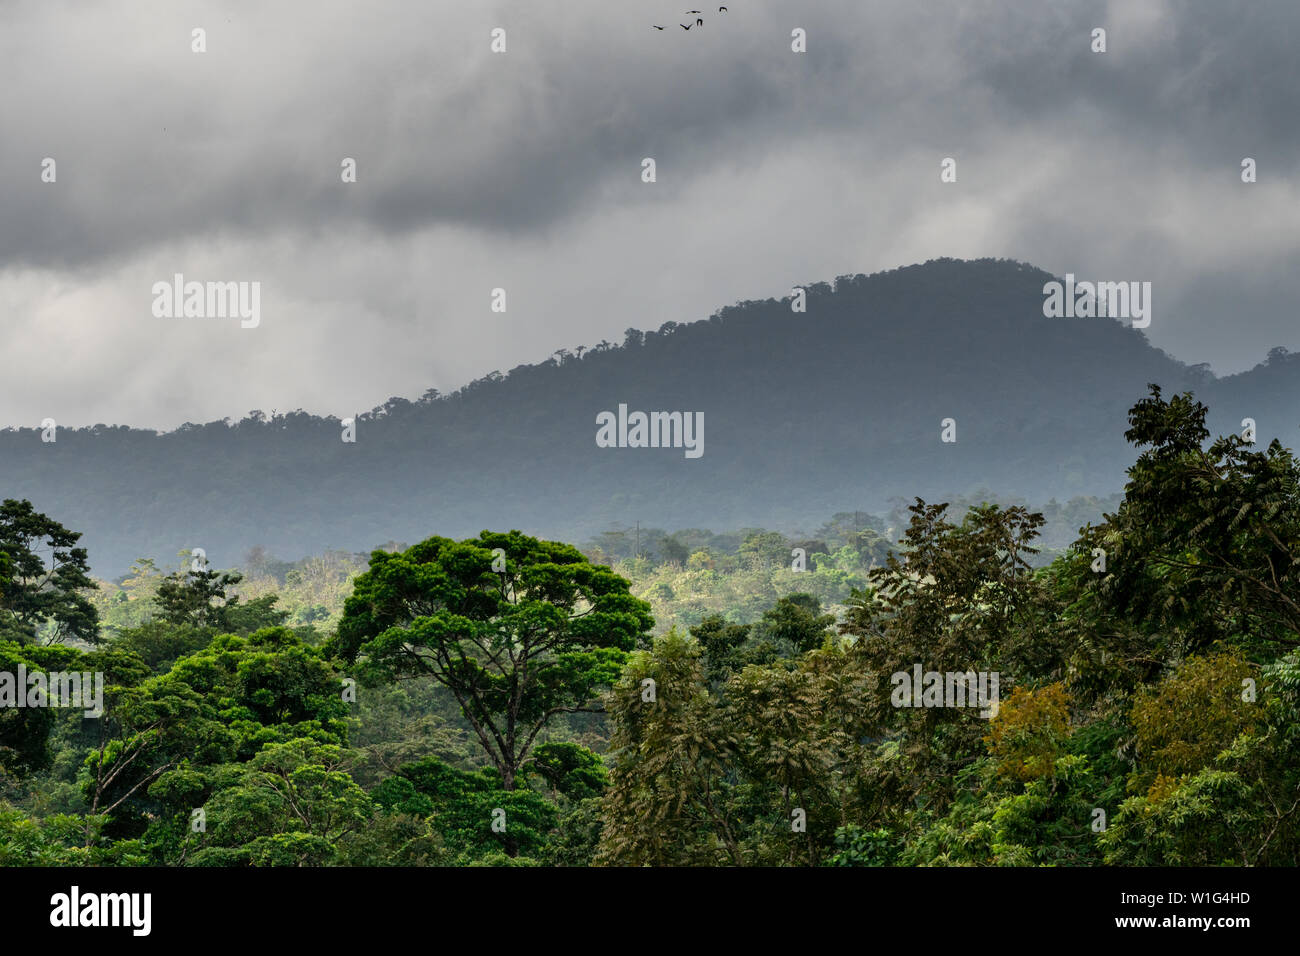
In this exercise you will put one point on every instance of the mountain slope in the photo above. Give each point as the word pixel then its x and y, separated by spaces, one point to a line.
pixel 805 414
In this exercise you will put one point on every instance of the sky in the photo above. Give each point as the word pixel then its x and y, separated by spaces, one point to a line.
pixel 522 170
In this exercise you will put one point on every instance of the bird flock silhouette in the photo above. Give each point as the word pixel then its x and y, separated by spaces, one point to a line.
pixel 699 20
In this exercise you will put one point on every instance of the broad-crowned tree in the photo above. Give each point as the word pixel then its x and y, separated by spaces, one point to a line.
pixel 518 630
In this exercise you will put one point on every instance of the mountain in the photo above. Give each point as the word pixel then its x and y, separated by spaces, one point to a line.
pixel 805 414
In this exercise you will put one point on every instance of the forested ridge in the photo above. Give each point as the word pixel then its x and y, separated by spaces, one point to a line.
pixel 506 700
pixel 809 412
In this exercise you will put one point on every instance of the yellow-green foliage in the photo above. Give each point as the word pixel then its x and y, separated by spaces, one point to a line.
pixel 1192 714
pixel 1029 732
pixel 313 590
pixel 683 596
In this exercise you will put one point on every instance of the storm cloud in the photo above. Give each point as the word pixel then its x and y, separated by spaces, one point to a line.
pixel 522 170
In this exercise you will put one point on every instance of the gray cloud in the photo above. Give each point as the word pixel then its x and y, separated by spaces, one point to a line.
pixel 523 171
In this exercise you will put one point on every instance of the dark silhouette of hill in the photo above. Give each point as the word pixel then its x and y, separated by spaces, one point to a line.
pixel 805 414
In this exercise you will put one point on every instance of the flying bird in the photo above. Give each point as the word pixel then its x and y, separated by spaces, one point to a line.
pixel 656 26
pixel 699 22
pixel 692 11
pixel 722 9
pixel 683 26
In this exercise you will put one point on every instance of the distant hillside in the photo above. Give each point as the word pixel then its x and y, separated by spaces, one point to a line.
pixel 804 415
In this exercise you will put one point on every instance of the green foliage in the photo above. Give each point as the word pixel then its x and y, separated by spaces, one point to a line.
pixel 576 838
pixel 764 550
pixel 795 625
pixel 60 840
pixel 169 741
pixel 473 815
pixel 290 805
pixel 761 772
pixel 512 714
pixel 570 769
pixel 160 644
pixel 1044 822
pixel 858 846
pixel 205 599
pixel 1204 549
pixel 1240 806
pixel 39 597
pixel 725 647
pixel 960 598
pixel 24 731
pixel 516 646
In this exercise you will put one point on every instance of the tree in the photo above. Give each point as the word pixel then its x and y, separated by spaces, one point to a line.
pixel 1204 548
pixel 515 646
pixel 761 774
pixel 844 527
pixel 289 806
pixel 470 811
pixel 872 548
pixel 796 624
pixel 672 550
pixel 722 643
pixel 25 731
pixel 1192 715
pixel 764 550
pixel 37 594
pixel 197 598
pixel 1242 807
pixel 60 840
pixel 570 769
pixel 961 598
pixel 667 804
pixel 161 737
pixel 1029 732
